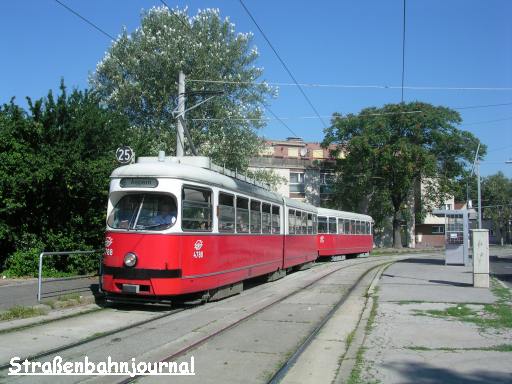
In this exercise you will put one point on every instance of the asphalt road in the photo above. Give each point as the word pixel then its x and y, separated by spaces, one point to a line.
pixel 501 264
pixel 24 293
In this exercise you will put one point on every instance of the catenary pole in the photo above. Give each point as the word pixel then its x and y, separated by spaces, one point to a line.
pixel 180 146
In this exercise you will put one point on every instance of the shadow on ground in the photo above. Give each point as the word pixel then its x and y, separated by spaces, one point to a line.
pixel 423 373
pixel 423 261
pixel 452 283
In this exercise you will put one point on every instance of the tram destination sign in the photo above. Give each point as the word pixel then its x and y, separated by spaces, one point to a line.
pixel 124 155
pixel 138 182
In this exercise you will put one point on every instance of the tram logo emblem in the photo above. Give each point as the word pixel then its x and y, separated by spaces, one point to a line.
pixel 108 241
pixel 322 239
pixel 198 253
pixel 198 245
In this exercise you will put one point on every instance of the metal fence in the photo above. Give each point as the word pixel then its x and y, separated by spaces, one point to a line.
pixel 43 254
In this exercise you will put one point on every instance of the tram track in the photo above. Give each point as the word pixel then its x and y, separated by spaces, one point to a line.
pixel 107 334
pixel 92 338
pixel 289 362
pixel 203 340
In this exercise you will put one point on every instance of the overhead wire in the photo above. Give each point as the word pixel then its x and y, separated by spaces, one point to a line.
pixel 197 38
pixel 488 121
pixel 282 62
pixel 86 20
pixel 305 117
pixel 92 24
pixel 362 86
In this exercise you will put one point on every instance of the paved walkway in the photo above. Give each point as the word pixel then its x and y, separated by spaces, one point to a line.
pixel 410 344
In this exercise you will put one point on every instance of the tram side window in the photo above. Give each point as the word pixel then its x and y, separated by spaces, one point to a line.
pixel 226 213
pixel 242 215
pixel 291 221
pixel 276 222
pixel 332 225
pixel 360 227
pixel 368 228
pixel 266 218
pixel 346 224
pixel 197 209
pixel 322 224
pixel 310 224
pixel 300 225
pixel 340 226
pixel 315 225
pixel 255 216
pixel 353 227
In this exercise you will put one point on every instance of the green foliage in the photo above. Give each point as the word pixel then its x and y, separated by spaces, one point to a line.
pixel 497 197
pixel 268 177
pixel 138 77
pixel 391 150
pixel 21 313
pixel 55 161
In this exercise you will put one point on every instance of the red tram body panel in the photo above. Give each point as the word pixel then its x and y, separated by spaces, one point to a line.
pixel 331 245
pixel 343 233
pixel 175 264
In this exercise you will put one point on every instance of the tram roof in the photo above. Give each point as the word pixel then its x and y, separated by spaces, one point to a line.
pixel 343 214
pixel 199 170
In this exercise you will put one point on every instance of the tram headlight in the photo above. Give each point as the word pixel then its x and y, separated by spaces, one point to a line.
pixel 130 259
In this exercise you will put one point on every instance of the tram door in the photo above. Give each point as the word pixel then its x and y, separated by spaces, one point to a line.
pixel 454 237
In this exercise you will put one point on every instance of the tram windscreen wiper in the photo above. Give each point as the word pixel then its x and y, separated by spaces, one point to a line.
pixel 142 227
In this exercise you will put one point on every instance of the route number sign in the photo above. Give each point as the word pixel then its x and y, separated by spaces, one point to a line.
pixel 124 155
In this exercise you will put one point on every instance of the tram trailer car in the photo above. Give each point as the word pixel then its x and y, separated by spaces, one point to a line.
pixel 223 230
pixel 343 233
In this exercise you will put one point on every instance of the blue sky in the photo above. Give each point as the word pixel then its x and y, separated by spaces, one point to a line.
pixel 449 44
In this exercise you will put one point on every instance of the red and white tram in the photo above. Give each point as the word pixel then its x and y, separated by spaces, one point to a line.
pixel 179 226
pixel 343 233
pixel 223 230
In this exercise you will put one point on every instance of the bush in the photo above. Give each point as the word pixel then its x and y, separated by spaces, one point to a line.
pixel 25 260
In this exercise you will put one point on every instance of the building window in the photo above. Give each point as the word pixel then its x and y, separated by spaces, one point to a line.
pixel 293 152
pixel 326 182
pixel 318 153
pixel 437 229
pixel 296 182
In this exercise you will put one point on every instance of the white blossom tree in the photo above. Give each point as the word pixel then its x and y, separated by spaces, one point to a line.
pixel 139 73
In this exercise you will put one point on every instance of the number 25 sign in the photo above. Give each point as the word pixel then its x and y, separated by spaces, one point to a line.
pixel 124 155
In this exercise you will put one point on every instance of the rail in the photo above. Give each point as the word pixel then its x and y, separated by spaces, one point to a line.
pixel 43 254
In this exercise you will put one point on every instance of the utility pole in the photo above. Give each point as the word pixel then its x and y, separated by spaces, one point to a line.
pixel 479 192
pixel 476 164
pixel 180 139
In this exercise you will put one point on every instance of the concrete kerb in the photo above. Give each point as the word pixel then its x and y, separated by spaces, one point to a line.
pixel 86 306
pixel 349 360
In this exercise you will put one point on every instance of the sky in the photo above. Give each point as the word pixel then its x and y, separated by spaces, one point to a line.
pixel 458 53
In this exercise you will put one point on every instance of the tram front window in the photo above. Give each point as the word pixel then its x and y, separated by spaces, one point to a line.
pixel 144 212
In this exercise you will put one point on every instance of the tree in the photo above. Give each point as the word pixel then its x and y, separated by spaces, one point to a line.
pixel 138 77
pixel 389 151
pixel 497 198
pixel 55 162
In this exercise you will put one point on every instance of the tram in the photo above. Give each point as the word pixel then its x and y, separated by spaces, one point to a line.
pixel 343 234
pixel 181 226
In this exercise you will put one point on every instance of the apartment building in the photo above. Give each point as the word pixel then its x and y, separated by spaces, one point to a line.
pixel 306 167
